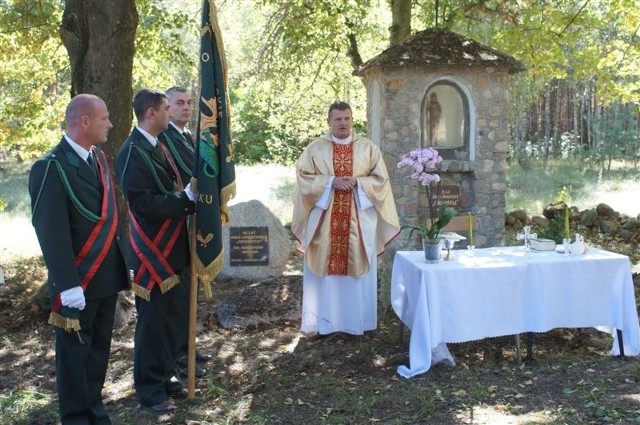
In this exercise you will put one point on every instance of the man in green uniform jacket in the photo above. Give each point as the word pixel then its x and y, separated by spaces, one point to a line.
pixel 75 215
pixel 181 143
pixel 159 203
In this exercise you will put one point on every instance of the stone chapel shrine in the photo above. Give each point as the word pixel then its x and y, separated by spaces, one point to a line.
pixel 439 89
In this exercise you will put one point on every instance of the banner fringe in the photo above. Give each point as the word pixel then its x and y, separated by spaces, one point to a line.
pixel 208 273
pixel 69 325
pixel 226 194
pixel 194 184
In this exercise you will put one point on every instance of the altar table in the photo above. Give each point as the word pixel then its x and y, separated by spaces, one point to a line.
pixel 504 291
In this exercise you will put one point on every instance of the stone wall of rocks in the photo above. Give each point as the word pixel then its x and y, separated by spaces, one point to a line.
pixel 602 220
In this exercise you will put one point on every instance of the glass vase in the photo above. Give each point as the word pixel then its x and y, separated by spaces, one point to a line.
pixel 432 249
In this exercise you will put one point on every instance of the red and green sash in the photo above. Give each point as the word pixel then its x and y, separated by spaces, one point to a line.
pixel 97 245
pixel 341 212
pixel 154 268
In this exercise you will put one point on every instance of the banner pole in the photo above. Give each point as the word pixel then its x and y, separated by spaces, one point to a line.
pixel 193 314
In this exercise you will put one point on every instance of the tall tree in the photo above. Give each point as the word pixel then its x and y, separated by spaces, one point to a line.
pixel 400 28
pixel 99 36
pixel 33 75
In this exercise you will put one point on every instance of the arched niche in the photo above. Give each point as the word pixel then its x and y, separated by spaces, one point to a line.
pixel 448 120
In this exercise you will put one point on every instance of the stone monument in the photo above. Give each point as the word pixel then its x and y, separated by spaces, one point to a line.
pixel 256 244
pixel 443 90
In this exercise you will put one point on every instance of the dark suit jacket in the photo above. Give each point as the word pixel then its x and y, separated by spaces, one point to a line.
pixel 183 151
pixel 62 230
pixel 150 203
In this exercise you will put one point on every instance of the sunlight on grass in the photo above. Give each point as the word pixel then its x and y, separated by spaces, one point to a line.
pixel 18 238
pixel 273 185
pixel 483 414
pixel 24 405
pixel 534 187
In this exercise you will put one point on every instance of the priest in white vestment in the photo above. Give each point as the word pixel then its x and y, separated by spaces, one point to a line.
pixel 344 215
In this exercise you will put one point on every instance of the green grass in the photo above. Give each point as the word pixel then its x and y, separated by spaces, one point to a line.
pixel 536 186
pixel 18 407
pixel 14 195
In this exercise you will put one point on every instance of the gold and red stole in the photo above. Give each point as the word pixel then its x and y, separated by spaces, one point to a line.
pixel 341 212
pixel 154 268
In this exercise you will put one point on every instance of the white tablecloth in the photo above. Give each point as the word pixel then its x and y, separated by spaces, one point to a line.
pixel 500 291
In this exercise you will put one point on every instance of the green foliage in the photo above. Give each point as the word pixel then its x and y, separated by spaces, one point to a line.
pixel 14 198
pixel 167 45
pixel 33 75
pixel 289 59
pixel 431 232
pixel 555 230
pixel 616 135
pixel 564 195
pixel 283 81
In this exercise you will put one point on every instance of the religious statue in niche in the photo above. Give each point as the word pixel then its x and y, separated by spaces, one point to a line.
pixel 434 118
pixel 444 117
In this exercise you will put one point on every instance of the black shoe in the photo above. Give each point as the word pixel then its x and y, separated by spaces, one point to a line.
pixel 174 385
pixel 165 406
pixel 202 358
pixel 200 372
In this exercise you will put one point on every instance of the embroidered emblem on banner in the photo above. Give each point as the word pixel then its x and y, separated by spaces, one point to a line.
pixel 341 212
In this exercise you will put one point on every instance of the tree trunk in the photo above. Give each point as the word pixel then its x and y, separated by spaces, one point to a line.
pixel 547 122
pixel 99 36
pixel 400 28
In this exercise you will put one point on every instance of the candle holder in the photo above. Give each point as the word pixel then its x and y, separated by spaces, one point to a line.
pixel 566 243
pixel 471 250
pixel 450 239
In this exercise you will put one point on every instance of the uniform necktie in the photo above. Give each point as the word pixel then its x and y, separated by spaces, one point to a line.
pixel 187 136
pixel 92 162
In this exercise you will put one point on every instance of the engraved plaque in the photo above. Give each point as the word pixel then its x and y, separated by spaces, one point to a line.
pixel 249 246
pixel 451 197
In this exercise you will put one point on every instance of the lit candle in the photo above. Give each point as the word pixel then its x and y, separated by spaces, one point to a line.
pixel 470 229
pixel 566 222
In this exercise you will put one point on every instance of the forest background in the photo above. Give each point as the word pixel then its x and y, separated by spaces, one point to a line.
pixel 288 59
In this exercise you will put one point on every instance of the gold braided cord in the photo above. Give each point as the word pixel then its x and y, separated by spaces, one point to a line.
pixel 226 194
pixel 209 272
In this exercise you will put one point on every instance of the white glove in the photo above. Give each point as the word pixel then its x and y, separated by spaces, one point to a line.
pixel 189 192
pixel 73 298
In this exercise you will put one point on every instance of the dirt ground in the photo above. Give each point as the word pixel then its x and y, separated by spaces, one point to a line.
pixel 269 373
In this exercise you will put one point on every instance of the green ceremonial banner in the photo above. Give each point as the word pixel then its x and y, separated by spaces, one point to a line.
pixel 214 173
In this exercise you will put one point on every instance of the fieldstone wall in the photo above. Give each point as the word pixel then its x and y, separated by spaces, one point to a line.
pixel 602 220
